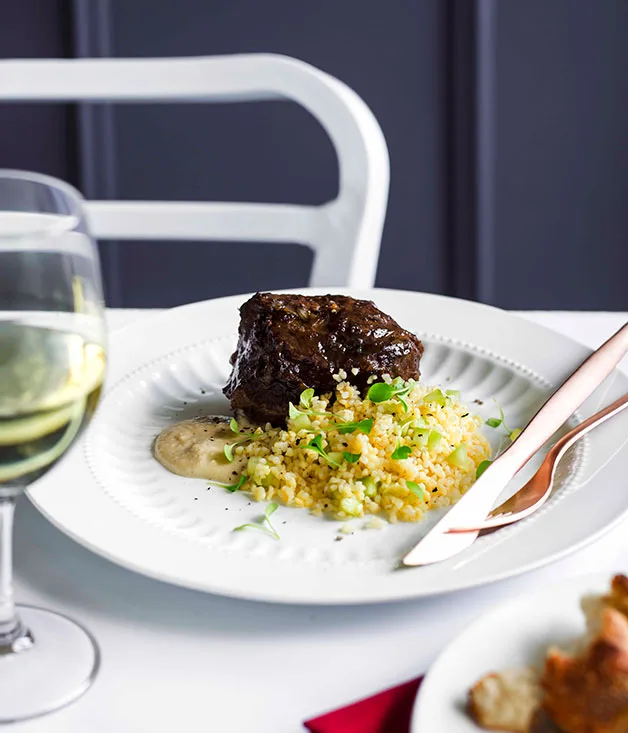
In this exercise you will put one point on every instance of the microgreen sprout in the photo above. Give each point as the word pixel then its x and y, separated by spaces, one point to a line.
pixel 293 412
pixel 264 524
pixel 495 422
pixel 401 452
pixel 481 468
pixel 363 426
pixel 351 457
pixel 316 444
pixel 305 398
pixel 382 392
pixel 230 487
pixel 418 489
pixel 304 408
pixel 243 438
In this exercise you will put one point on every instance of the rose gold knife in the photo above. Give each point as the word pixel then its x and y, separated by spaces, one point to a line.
pixel 438 544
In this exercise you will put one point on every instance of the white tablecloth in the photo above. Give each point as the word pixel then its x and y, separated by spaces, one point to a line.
pixel 176 660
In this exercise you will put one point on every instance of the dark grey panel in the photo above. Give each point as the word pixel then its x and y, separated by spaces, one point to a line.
pixel 561 219
pixel 37 137
pixel 164 274
pixel 274 151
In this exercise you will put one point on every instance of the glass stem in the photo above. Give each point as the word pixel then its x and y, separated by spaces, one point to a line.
pixel 10 627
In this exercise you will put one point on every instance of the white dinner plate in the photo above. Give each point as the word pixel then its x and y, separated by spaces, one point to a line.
pixel 514 635
pixel 112 496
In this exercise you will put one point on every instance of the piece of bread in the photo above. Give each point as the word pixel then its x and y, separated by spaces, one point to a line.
pixel 593 608
pixel 588 693
pixel 506 701
pixel 618 597
pixel 584 690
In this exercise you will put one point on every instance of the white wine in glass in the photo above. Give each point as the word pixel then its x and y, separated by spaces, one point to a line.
pixel 52 366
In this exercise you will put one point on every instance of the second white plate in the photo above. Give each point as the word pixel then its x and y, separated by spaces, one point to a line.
pixel 515 635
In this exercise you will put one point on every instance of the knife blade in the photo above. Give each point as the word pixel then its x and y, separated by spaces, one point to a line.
pixel 438 545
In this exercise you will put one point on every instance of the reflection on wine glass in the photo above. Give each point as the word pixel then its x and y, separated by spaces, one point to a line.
pixel 52 365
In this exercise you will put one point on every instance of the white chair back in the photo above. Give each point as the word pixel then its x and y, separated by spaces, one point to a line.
pixel 344 233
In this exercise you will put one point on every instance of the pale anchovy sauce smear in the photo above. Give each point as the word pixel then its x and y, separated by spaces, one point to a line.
pixel 195 448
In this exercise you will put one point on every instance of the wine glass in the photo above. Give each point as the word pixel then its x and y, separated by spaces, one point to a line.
pixel 52 365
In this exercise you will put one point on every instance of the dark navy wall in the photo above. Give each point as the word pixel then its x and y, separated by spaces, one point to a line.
pixel 561 122
pixel 507 123
pixel 37 136
pixel 275 151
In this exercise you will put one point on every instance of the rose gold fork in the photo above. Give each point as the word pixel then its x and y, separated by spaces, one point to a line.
pixel 537 491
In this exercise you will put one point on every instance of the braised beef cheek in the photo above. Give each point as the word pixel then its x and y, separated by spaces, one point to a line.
pixel 288 343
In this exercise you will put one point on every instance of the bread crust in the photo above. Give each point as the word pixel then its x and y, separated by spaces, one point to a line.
pixel 589 693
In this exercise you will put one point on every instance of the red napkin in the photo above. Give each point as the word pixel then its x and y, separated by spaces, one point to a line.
pixel 387 712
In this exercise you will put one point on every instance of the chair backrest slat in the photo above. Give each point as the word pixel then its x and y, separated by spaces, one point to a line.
pixel 345 233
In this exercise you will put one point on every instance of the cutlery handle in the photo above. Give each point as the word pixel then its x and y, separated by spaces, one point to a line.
pixel 566 400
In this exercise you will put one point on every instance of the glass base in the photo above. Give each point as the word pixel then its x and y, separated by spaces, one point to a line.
pixel 50 667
